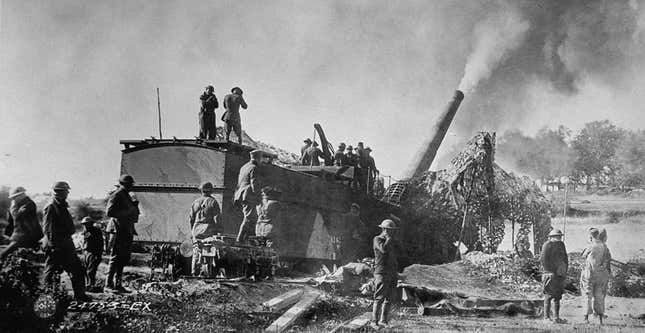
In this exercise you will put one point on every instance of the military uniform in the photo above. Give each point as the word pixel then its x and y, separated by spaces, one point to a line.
pixel 24 229
pixel 385 274
pixel 340 159
pixel 207 127
pixel 203 216
pixel 313 154
pixel 232 103
pixel 61 252
pixel 246 195
pixel 268 217
pixel 554 262
pixel 93 247
pixel 124 213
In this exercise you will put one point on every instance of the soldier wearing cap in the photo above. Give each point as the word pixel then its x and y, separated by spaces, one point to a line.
pixel 203 218
pixel 24 229
pixel 231 116
pixel 93 248
pixel 351 158
pixel 339 157
pixel 60 250
pixel 124 212
pixel 247 194
pixel 304 159
pixel 385 272
pixel 554 262
pixel 268 215
pixel 207 127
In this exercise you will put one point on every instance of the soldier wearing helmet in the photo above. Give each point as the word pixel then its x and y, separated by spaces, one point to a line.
pixel 207 128
pixel 385 272
pixel 231 116
pixel 203 219
pixel 24 229
pixel 124 212
pixel 247 194
pixel 93 247
pixel 60 250
pixel 554 262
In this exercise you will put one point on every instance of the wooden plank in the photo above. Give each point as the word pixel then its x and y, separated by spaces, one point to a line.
pixel 289 317
pixel 278 303
pixel 359 322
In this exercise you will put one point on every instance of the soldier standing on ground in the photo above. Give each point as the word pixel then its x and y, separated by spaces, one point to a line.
pixel 304 160
pixel 247 194
pixel 124 212
pixel 595 274
pixel 93 247
pixel 554 261
pixel 385 273
pixel 231 117
pixel 24 229
pixel 268 216
pixel 207 127
pixel 60 252
pixel 203 218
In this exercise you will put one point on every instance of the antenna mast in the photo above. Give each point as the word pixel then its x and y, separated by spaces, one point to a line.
pixel 159 113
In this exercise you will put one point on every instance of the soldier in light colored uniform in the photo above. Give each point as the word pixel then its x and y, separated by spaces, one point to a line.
pixel 247 194
pixel 203 218
pixel 268 216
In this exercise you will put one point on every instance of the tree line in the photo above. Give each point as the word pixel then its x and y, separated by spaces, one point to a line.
pixel 599 154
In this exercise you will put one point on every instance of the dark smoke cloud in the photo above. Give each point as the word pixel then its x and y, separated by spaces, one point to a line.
pixel 573 52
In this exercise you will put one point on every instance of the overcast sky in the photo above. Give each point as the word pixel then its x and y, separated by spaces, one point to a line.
pixel 78 76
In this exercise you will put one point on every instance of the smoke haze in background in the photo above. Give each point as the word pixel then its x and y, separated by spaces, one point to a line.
pixel 77 76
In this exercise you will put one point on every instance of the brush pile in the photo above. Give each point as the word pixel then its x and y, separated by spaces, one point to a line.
pixel 477 188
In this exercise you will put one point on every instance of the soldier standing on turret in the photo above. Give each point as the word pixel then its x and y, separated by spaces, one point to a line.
pixel 232 103
pixel 207 127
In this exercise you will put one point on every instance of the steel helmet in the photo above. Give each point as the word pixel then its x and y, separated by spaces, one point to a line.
pixel 126 179
pixel 388 224
pixel 16 191
pixel 87 219
pixel 206 187
pixel 555 233
pixel 61 185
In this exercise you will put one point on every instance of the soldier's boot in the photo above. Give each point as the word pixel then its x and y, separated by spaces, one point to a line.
pixel 118 284
pixel 556 309
pixel 547 308
pixel 376 312
pixel 109 280
pixel 385 313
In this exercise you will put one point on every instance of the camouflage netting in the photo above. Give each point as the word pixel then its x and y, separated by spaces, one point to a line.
pixel 436 202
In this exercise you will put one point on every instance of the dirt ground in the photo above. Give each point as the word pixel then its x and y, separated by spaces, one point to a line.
pixel 619 311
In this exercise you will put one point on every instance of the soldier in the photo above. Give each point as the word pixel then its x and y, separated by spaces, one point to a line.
pixel 232 103
pixel 385 273
pixel 268 215
pixel 207 127
pixel 124 212
pixel 372 171
pixel 339 156
pixel 60 251
pixel 352 159
pixel 554 263
pixel 595 274
pixel 247 193
pixel 313 153
pixel 24 229
pixel 304 159
pixel 93 247
pixel 203 218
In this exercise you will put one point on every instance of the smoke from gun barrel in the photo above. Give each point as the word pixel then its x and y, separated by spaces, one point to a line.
pixel 423 159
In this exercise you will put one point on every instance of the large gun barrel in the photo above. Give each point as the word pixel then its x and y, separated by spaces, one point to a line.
pixel 422 161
